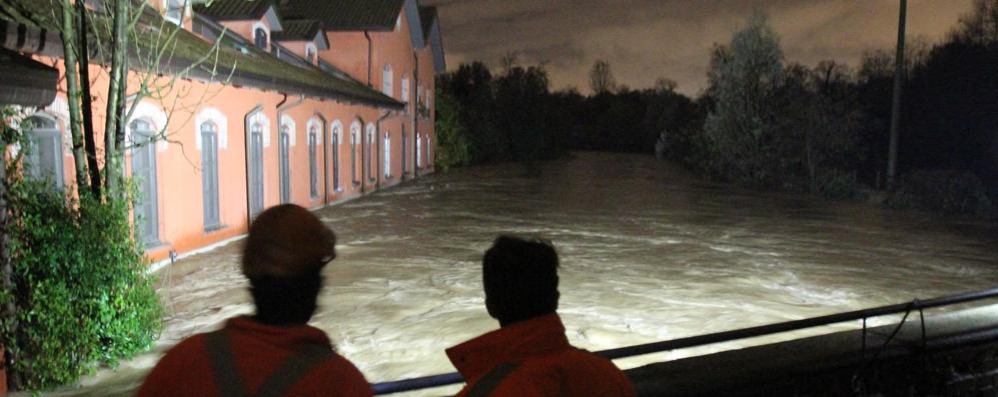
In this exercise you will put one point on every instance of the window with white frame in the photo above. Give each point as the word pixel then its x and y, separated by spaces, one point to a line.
pixel 372 158
pixel 354 158
pixel 419 152
pixel 173 10
pixel 386 80
pixel 310 53
pixel 405 89
pixel 419 99
pixel 313 172
pixel 44 159
pixel 388 155
pixel 260 37
pixel 334 143
pixel 209 175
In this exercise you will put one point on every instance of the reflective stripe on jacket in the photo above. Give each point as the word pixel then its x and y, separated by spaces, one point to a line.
pixel 543 362
pixel 258 351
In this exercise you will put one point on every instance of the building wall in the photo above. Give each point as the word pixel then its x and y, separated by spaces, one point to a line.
pixel 189 104
pixel 427 80
pixel 180 204
pixel 348 52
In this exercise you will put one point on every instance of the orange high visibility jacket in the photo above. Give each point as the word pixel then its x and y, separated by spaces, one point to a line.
pixel 257 352
pixel 533 358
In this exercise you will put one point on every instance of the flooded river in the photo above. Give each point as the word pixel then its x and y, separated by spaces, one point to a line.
pixel 648 253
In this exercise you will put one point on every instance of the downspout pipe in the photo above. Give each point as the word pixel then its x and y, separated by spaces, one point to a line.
pixel 415 116
pixel 363 157
pixel 370 54
pixel 325 162
pixel 379 151
pixel 246 130
pixel 283 106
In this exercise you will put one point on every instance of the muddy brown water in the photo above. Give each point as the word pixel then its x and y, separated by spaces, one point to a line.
pixel 648 253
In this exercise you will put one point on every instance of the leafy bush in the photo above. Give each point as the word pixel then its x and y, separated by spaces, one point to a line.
pixel 948 192
pixel 838 185
pixel 453 147
pixel 80 286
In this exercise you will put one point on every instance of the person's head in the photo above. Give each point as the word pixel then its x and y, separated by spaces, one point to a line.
pixel 520 278
pixel 285 252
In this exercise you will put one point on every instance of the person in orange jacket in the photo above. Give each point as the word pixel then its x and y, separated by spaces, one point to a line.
pixel 529 354
pixel 274 352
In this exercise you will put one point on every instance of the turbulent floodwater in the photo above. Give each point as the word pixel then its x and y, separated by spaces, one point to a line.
pixel 648 253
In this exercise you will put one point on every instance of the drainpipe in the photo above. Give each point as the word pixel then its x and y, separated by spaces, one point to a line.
pixel 370 53
pixel 377 138
pixel 246 129
pixel 325 163
pixel 363 158
pixel 415 115
pixel 282 107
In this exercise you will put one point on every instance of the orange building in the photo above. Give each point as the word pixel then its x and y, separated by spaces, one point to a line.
pixel 309 102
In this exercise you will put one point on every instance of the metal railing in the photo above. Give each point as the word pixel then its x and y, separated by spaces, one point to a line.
pixel 426 382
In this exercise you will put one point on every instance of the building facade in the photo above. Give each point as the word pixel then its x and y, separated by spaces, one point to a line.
pixel 310 102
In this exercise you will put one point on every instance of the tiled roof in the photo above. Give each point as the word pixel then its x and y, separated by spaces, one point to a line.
pixel 299 29
pixel 195 58
pixel 233 9
pixel 24 81
pixel 376 15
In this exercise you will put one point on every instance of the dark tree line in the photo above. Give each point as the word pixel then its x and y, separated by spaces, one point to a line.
pixel 763 121
pixel 514 116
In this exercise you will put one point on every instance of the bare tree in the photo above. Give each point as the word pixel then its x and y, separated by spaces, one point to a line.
pixel 663 84
pixel 133 45
pixel 601 78
pixel 980 26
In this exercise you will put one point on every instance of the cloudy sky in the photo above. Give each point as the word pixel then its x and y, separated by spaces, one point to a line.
pixel 647 39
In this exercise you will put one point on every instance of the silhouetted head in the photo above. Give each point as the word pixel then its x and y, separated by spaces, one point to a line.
pixel 520 278
pixel 285 252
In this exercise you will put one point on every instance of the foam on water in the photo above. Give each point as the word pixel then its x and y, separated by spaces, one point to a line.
pixel 647 252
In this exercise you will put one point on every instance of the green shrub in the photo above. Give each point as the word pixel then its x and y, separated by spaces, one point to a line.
pixel 838 185
pixel 453 146
pixel 948 192
pixel 83 296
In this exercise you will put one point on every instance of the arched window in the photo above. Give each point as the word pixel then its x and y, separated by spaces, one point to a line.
pixel 334 142
pixel 285 162
pixel 255 164
pixel 260 38
pixel 372 154
pixel 386 80
pixel 388 155
pixel 405 90
pixel 173 10
pixel 310 53
pixel 405 156
pixel 44 157
pixel 354 150
pixel 419 152
pixel 313 172
pixel 143 152
pixel 209 175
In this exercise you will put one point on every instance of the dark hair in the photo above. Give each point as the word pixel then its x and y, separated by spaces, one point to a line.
pixel 521 279
pixel 285 300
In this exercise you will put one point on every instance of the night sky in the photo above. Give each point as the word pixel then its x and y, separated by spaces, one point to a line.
pixel 648 39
